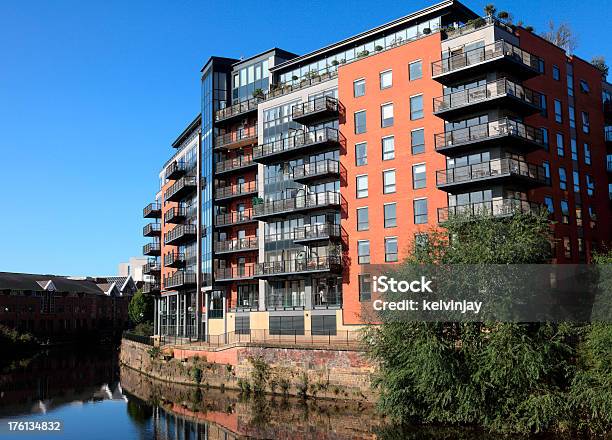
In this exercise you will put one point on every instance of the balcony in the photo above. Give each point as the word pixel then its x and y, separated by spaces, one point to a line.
pixel 237 245
pixel 248 301
pixel 316 170
pixel 307 202
pixel 180 234
pixel 180 279
pixel 504 131
pixel 175 215
pixel 299 266
pixel 495 208
pixel 152 267
pixel 152 210
pixel 498 170
pixel 181 188
pixel 237 163
pixel 234 218
pixel 237 139
pixel 151 249
pixel 318 109
pixel 174 259
pixel 236 110
pixel 235 273
pixel 150 288
pixel 301 143
pixel 233 191
pixel 474 25
pixel 500 93
pixel 500 55
pixel 175 170
pixel 152 230
pixel 322 232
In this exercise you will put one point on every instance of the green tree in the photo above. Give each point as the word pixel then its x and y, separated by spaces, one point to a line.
pixel 140 308
pixel 600 64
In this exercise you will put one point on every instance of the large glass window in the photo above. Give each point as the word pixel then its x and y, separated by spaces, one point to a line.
pixel 555 73
pixel 391 249
pixel 587 154
pixel 576 179
pixel 416 107
pixel 365 287
pixel 586 124
pixel 548 202
pixel 419 178
pixel 386 115
pixel 420 211
pixel 590 185
pixel 388 148
pixel 562 179
pixel 361 154
pixel 390 214
pixel 359 88
pixel 560 145
pixel 362 186
pixel 360 122
pixel 363 219
pixel 363 251
pixel 388 181
pixel 417 141
pixel 415 70
pixel 564 211
pixel 386 79
pixel 558 111
pixel 574 149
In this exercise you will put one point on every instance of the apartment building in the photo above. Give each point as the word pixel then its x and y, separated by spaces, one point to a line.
pixel 299 169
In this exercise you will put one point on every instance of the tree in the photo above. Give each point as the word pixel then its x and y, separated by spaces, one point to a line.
pixel 561 36
pixel 600 64
pixel 140 308
pixel 490 10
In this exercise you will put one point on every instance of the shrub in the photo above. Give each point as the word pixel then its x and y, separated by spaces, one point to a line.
pixel 302 385
pixel 260 374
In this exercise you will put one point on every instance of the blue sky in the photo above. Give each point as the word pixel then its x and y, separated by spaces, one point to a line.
pixel 92 93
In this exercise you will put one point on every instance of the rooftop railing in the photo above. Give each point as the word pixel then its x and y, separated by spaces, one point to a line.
pixel 474 25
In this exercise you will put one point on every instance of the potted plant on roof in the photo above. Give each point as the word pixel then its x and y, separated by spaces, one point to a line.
pixel 378 48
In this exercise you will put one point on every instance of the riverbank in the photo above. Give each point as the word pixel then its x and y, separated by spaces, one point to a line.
pixel 328 373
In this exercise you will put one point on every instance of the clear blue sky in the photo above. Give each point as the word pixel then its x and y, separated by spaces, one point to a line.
pixel 93 92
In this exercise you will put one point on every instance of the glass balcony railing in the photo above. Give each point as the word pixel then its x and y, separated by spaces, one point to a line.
pixel 494 51
pixel 492 169
pixel 473 25
pixel 494 208
pixel 298 203
pixel 491 90
pixel 487 131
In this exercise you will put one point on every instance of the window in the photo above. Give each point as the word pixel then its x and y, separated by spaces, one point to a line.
pixel 323 325
pixel 420 211
pixel 362 186
pixel 388 181
pixel 564 212
pixel 286 325
pixel 576 178
pixel 363 251
pixel 543 106
pixel 390 249
pixel 386 79
pixel 415 70
pixel 560 146
pixel 386 115
pixel 558 111
pixel 555 73
pixel 562 179
pixel 574 149
pixel 545 137
pixel 360 122
pixel 417 141
pixel 548 202
pixel 358 88
pixel 416 107
pixel 572 116
pixel 361 154
pixel 419 179
pixel 388 148
pixel 587 154
pixel 390 212
pixel 578 211
pixel 586 124
pixel 590 185
pixel 546 167
pixel 363 219
pixel 541 66
pixel 365 287
pixel 567 247
pixel 584 86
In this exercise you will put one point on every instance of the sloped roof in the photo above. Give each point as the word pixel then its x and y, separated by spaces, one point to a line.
pixel 28 281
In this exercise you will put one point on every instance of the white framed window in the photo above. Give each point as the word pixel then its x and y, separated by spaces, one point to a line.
pixel 359 87
pixel 388 148
pixel 386 79
pixel 362 186
pixel 416 107
pixel 386 115
pixel 389 181
pixel 415 70
pixel 419 176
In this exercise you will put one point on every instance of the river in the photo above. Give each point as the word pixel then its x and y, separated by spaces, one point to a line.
pixel 94 398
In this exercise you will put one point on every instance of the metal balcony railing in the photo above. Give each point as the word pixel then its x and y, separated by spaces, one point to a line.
pixel 152 266
pixel 283 89
pixel 235 273
pixel 181 187
pixel 321 106
pixel 306 139
pixel 152 229
pixel 238 138
pixel 249 301
pixel 180 279
pixel 495 208
pixel 488 130
pixel 174 259
pixel 310 264
pixel 327 299
pixel 175 215
pixel 180 234
pixel 151 248
pixel 493 51
pixel 238 244
pixel 236 190
pixel 175 169
pixel 152 210
pixel 315 169
pixel 150 287
pixel 237 109
pixel 298 203
pixel 494 89
pixel 317 232
pixel 493 168
pixel 232 218
pixel 234 164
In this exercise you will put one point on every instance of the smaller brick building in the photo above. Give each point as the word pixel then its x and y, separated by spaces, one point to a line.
pixel 62 307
